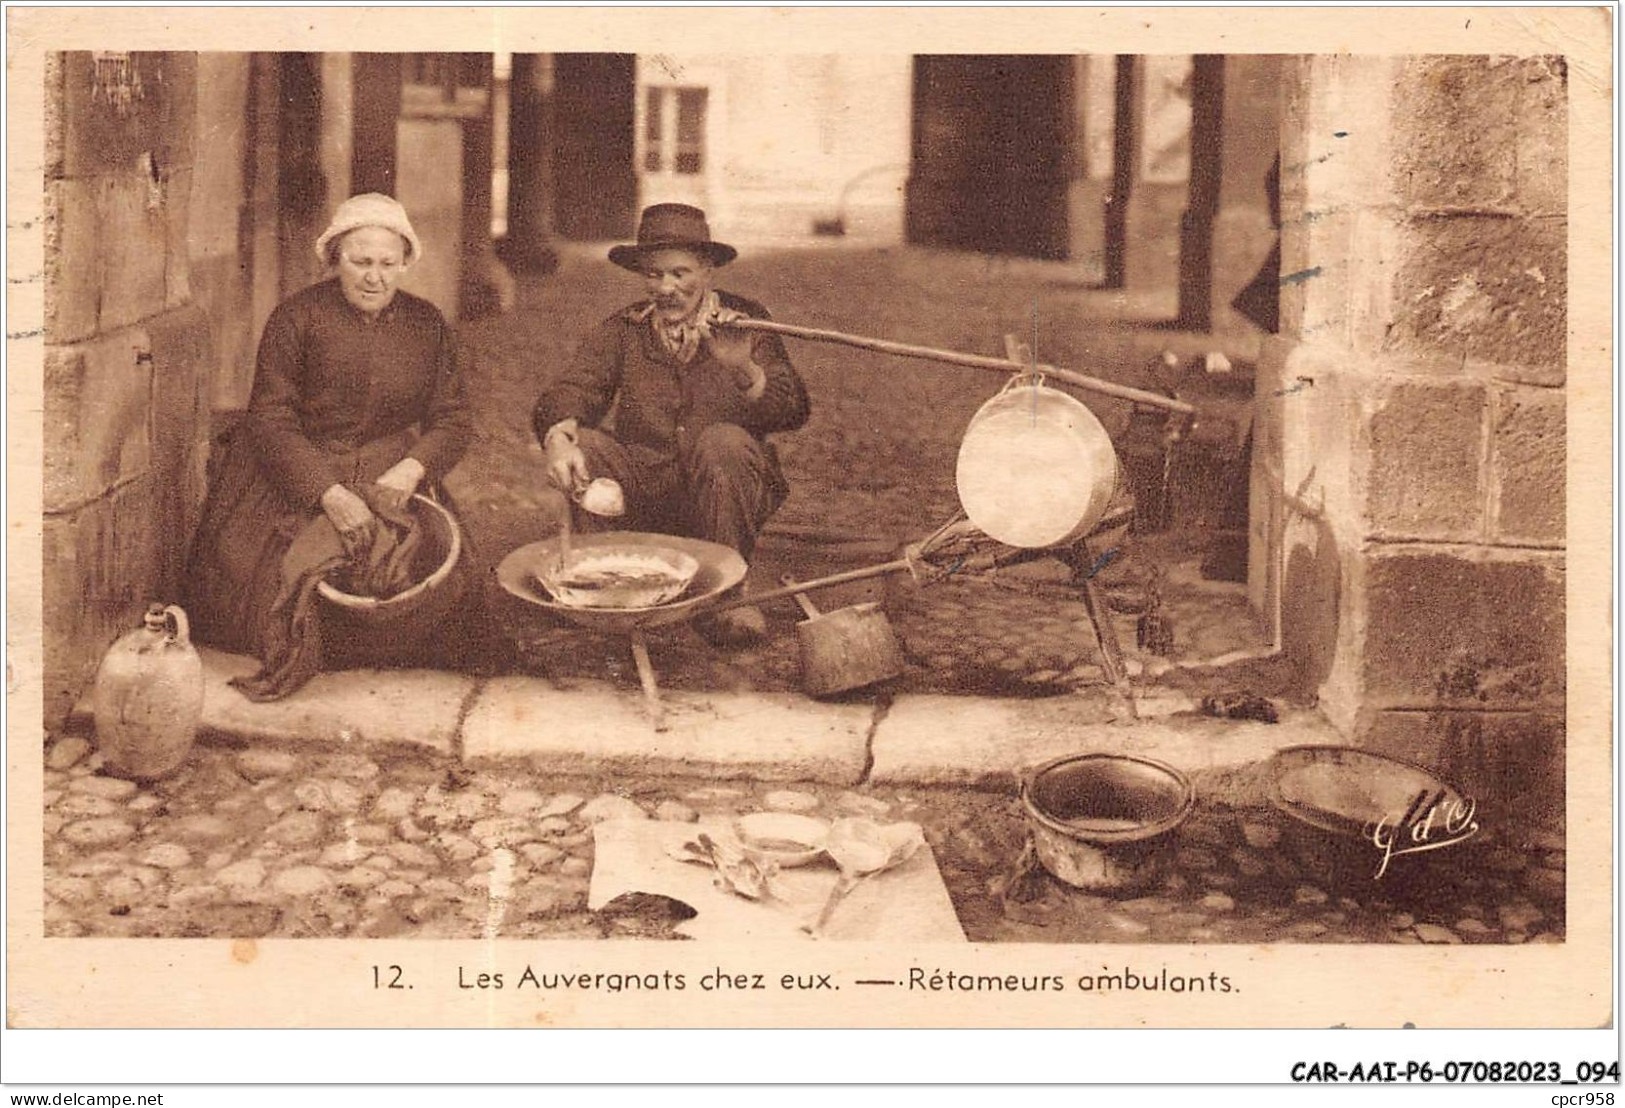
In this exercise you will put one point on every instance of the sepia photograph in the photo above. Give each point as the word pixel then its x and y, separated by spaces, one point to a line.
pixel 1113 501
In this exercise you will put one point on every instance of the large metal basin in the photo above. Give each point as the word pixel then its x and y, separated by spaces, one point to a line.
pixel 1103 822
pixel 1337 802
pixel 381 626
pixel 720 569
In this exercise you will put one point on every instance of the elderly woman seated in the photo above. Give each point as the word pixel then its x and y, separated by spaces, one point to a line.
pixel 357 404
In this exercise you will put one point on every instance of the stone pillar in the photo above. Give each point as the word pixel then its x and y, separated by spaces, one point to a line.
pixel 1125 153
pixel 434 104
pixel 1408 486
pixel 594 181
pixel 1243 228
pixel 486 286
pixel 303 202
pixel 527 246
pixel 1090 171
pixel 229 231
pixel 1161 169
pixel 260 219
pixel 337 156
pixel 128 356
pixel 1202 201
pixel 377 91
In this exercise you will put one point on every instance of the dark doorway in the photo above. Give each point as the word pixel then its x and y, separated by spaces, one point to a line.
pixel 991 140
pixel 596 186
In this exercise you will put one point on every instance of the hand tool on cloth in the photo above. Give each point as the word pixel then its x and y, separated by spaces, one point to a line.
pixel 861 849
pixel 909 903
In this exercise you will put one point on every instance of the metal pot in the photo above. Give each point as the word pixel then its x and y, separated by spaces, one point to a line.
pixel 1103 822
pixel 1331 801
pixel 443 549
pixel 1036 468
pixel 846 649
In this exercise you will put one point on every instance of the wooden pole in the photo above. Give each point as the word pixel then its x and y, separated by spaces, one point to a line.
pixel 974 361
pixel 898 566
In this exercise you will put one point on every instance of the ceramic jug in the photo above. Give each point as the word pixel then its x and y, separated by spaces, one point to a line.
pixel 148 697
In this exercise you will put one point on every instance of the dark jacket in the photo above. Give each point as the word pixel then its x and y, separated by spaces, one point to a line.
pixel 659 402
pixel 329 381
pixel 337 399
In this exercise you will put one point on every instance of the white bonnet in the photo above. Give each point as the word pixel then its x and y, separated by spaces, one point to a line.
pixel 370 209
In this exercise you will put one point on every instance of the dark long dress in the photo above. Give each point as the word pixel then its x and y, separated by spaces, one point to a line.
pixel 338 398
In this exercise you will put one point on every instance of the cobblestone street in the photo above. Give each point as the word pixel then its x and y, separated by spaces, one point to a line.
pixel 261 842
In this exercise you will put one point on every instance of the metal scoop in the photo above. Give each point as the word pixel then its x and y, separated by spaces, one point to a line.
pixel 861 849
pixel 845 649
pixel 602 496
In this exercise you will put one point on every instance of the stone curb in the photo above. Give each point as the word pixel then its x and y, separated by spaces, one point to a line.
pixel 946 740
pixel 595 727
pixel 405 708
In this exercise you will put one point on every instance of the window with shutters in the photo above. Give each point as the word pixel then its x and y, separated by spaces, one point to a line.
pixel 674 129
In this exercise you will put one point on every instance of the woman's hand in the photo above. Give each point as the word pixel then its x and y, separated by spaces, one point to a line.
pixel 350 515
pixel 731 347
pixel 404 476
pixel 399 482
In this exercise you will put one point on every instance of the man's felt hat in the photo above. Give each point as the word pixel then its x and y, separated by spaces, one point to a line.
pixel 672 227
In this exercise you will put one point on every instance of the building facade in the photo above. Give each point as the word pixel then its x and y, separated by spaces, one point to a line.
pixel 1149 172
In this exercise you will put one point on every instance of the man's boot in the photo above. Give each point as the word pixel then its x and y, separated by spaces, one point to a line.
pixel 735 628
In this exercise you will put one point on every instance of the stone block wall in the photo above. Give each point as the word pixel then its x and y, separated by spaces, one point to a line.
pixel 127 357
pixel 232 219
pixel 1408 487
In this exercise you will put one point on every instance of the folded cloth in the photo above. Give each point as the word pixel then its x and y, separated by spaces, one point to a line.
pixel 380 566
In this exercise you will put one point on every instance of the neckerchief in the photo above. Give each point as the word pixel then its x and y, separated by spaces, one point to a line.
pixel 681 338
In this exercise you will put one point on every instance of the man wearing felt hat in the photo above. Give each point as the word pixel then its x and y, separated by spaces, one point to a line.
pixel 693 403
